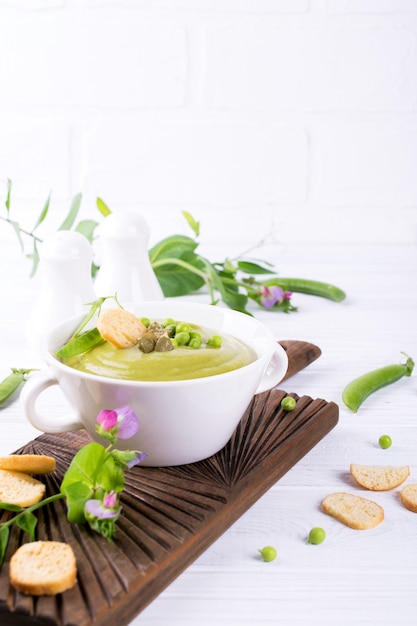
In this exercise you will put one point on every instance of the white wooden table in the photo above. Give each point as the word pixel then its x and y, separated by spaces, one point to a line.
pixel 354 577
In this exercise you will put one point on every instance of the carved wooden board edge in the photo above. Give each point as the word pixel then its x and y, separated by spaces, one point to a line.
pixel 170 515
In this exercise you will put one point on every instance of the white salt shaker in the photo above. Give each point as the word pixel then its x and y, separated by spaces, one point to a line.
pixel 125 268
pixel 66 285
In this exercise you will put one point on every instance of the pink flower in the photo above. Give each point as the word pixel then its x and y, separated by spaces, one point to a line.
pixel 107 418
pixel 110 501
pixel 271 295
pixel 113 424
pixel 108 509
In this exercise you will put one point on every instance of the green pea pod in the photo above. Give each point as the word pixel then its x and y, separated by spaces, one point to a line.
pixel 12 382
pixel 80 344
pixel 310 287
pixel 356 392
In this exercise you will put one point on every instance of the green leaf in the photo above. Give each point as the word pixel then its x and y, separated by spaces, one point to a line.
pixel 193 224
pixel 249 267
pixel 177 280
pixel 73 212
pixel 9 190
pixel 87 228
pixel 85 465
pixel 174 246
pixel 8 506
pixel 102 207
pixel 27 522
pixel 4 540
pixel 43 213
pixel 93 468
pixel 77 494
pixel 234 300
pixel 35 259
pixel 229 292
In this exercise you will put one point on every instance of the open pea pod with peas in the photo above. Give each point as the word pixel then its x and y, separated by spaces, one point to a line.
pixel 359 389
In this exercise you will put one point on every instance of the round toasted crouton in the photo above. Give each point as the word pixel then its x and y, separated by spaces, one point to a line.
pixel 408 497
pixel 379 477
pixel 43 568
pixel 121 328
pixel 28 463
pixel 354 511
pixel 20 488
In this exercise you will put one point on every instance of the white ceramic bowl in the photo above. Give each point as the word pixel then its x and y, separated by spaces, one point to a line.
pixel 180 421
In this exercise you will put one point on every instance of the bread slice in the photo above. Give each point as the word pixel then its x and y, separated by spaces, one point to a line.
pixel 121 328
pixel 20 488
pixel 28 463
pixel 43 568
pixel 379 477
pixel 408 497
pixel 354 511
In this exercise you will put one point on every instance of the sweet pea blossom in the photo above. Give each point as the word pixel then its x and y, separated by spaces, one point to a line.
pixel 271 295
pixel 107 418
pixel 274 295
pixel 121 423
pixel 106 509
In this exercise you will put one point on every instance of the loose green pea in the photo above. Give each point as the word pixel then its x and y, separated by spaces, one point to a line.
pixel 288 403
pixel 168 322
pixel 195 335
pixel 316 535
pixel 268 553
pixel 215 341
pixel 145 321
pixel 385 441
pixel 356 392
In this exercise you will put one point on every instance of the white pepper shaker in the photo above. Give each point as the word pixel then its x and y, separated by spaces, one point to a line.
pixel 66 285
pixel 125 268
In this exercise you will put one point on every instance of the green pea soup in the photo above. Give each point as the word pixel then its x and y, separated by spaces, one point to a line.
pixel 182 363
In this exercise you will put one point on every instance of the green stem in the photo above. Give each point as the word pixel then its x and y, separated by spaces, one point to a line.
pixel 34 507
pixel 21 230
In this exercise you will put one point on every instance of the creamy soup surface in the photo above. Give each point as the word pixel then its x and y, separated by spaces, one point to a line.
pixel 182 363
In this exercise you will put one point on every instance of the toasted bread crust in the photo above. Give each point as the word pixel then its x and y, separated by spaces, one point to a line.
pixel 28 463
pixel 379 477
pixel 121 328
pixel 20 488
pixel 43 568
pixel 353 511
pixel 408 497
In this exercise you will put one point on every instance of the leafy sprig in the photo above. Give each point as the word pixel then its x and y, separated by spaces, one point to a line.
pixel 91 485
pixel 29 239
pixel 181 270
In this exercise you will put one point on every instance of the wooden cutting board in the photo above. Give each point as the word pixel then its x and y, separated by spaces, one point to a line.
pixel 170 515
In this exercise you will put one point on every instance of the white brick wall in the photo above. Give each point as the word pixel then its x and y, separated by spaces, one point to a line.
pixel 292 116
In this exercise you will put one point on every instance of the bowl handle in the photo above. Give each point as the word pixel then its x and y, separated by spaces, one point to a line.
pixel 33 388
pixel 275 371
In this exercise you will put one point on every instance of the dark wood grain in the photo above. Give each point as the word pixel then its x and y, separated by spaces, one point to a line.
pixel 170 515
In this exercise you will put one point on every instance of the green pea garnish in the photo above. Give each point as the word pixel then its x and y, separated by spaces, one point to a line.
pixel 215 341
